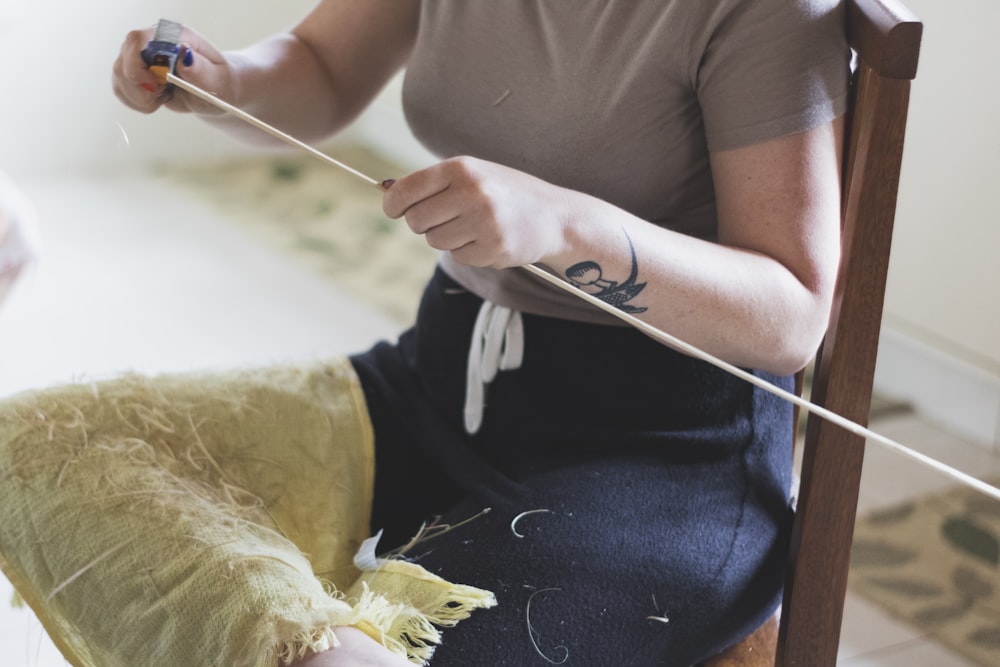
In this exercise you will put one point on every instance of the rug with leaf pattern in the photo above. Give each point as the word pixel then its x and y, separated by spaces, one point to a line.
pixel 324 218
pixel 935 563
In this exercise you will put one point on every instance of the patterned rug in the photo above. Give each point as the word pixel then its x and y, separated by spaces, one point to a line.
pixel 935 563
pixel 325 218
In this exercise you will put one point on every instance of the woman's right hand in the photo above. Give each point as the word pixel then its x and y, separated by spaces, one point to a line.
pixel 310 81
pixel 198 62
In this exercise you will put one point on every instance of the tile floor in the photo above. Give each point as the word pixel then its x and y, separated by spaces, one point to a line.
pixel 869 637
pixel 135 277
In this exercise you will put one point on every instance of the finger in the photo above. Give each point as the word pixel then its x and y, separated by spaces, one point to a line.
pixel 133 67
pixel 451 235
pixel 136 86
pixel 470 242
pixel 192 39
pixel 413 189
pixel 473 254
pixel 203 65
pixel 180 100
pixel 439 208
pixel 128 97
pixel 132 82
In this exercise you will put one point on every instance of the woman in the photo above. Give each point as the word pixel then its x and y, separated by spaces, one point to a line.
pixel 678 159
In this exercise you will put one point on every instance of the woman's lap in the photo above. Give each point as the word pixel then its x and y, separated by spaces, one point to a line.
pixel 607 561
pixel 647 547
pixel 611 580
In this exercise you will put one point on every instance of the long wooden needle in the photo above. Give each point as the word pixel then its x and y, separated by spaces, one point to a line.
pixel 648 329
pixel 273 131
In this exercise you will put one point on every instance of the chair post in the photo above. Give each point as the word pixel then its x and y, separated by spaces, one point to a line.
pixel 823 530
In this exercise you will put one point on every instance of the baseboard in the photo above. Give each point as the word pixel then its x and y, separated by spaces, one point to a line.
pixel 948 391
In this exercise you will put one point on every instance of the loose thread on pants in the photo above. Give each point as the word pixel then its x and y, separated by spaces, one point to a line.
pixel 533 634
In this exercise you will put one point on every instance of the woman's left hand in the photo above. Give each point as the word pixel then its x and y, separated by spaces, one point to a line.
pixel 481 212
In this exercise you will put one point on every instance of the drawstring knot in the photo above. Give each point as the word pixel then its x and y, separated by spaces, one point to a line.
pixel 497 345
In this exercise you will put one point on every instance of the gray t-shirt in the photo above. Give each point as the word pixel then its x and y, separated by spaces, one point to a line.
pixel 621 99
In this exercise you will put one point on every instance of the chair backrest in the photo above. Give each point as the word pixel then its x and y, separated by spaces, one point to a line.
pixel 885 37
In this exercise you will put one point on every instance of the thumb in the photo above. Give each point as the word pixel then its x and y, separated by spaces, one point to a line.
pixel 207 70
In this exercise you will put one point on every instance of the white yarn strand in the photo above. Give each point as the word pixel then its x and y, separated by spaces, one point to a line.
pixel 648 329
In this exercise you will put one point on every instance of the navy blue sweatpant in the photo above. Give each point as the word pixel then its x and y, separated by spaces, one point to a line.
pixel 638 498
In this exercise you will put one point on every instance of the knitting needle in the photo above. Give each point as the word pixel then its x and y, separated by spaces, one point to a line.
pixel 648 329
pixel 273 131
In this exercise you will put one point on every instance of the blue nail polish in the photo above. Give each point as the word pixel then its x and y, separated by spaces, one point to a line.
pixel 188 58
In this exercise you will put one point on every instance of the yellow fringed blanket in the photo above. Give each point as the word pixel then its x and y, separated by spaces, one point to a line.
pixel 205 520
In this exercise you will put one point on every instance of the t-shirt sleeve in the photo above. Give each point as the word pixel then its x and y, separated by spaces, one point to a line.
pixel 769 68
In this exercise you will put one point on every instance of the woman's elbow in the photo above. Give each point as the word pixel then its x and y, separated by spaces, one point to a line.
pixel 799 341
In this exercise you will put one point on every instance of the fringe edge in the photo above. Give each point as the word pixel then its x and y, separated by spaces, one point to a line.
pixel 411 632
pixel 400 628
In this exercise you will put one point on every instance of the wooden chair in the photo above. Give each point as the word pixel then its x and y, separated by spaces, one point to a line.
pixel 885 36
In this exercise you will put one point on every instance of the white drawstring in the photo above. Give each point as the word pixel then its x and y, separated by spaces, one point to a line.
pixel 497 344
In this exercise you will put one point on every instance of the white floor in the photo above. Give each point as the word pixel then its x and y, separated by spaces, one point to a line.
pixel 136 277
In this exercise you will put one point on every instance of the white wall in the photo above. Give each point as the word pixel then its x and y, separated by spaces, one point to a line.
pixel 942 315
pixel 945 283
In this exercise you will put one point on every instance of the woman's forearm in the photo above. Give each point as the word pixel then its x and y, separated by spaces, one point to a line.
pixel 761 296
pixel 739 305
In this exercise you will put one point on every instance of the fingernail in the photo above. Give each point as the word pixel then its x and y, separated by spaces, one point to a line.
pixel 188 57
